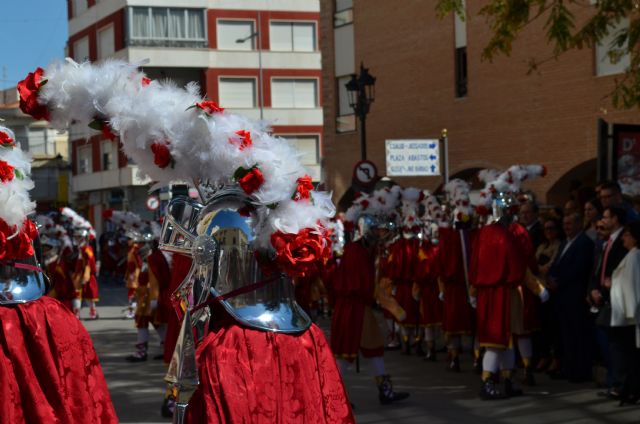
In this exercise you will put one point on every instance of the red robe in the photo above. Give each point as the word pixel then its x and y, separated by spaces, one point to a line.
pixel 49 371
pixel 457 312
pixel 426 274
pixel 61 285
pixel 497 266
pixel 87 258
pixel 531 302
pixel 353 287
pixel 402 262
pixel 159 266
pixel 259 377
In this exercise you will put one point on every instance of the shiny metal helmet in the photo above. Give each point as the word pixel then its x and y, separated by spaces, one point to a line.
pixel 22 281
pixel 51 247
pixel 374 229
pixel 220 242
pixel 504 206
pixel 80 236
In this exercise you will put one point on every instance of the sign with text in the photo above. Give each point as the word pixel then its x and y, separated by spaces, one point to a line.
pixel 411 158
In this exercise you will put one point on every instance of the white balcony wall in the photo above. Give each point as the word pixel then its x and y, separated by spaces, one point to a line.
pixel 126 176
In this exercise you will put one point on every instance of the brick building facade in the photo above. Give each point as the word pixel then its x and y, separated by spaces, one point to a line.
pixel 505 116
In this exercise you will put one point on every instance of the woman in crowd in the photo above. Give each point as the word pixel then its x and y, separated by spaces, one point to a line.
pixel 625 310
pixel 592 213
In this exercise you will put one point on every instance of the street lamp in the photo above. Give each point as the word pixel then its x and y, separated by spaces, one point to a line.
pixel 361 90
pixel 259 40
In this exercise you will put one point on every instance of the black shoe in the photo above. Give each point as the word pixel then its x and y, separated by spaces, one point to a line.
pixel 430 356
pixel 629 400
pixel 529 380
pixel 510 388
pixel 454 365
pixel 419 350
pixel 489 391
pixel 168 406
pixel 158 357
pixel 477 366
pixel 135 358
pixel 386 395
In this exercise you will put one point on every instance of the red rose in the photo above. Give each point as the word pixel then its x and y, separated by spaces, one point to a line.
pixel 146 81
pixel 28 89
pixel 252 180
pixel 107 213
pixel 302 253
pixel 6 172
pixel 303 191
pixel 161 155
pixel 210 107
pixel 21 246
pixel 30 229
pixel 6 140
pixel 245 139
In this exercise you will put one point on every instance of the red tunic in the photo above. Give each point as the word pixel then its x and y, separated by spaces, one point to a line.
pixel 531 302
pixel 49 371
pixel 252 376
pixel 402 263
pixel 497 266
pixel 426 274
pixel 353 285
pixel 457 312
pixel 88 259
pixel 62 286
pixel 159 266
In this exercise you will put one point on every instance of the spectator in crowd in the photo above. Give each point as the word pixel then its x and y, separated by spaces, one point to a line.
pixel 568 280
pixel 528 218
pixel 592 213
pixel 611 195
pixel 547 342
pixel 625 307
pixel 613 251
pixel 570 207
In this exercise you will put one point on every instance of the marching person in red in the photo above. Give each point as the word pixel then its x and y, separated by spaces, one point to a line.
pixel 84 274
pixel 49 370
pixel 54 241
pixel 498 271
pixel 132 275
pixel 354 328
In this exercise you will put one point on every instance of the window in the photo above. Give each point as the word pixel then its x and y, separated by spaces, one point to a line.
pixel 344 13
pixel 237 92
pixel 229 32
pixel 79 6
pixel 610 58
pixel 294 93
pixel 84 160
pixel 109 155
pixel 345 119
pixel 461 72
pixel 308 146
pixel 293 36
pixel 38 142
pixel 81 50
pixel 166 26
pixel 106 41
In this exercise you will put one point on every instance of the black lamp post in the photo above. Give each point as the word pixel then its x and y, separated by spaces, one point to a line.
pixel 361 89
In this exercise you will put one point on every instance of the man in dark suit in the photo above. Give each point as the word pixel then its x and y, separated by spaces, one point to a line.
pixel 528 218
pixel 568 281
pixel 613 251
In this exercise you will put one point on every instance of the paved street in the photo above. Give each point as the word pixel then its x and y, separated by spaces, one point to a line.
pixel 436 395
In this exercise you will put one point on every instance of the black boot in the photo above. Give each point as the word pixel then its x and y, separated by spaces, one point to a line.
pixel 140 354
pixel 385 391
pixel 490 390
pixel 511 389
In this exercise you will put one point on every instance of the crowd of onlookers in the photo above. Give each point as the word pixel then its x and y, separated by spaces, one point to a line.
pixel 587 254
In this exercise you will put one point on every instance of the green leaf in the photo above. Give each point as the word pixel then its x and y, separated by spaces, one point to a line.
pixel 240 172
pixel 96 124
pixel 19 174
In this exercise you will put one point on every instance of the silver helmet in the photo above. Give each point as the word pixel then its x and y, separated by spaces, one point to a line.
pixel 22 281
pixel 225 266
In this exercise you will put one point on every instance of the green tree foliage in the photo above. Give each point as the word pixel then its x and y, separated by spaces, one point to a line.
pixel 507 18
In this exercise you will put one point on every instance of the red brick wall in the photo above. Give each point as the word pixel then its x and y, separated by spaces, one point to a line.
pixel 508 117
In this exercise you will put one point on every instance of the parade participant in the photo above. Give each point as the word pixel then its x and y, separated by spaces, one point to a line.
pixel 497 270
pixel 130 225
pixel 453 249
pixel 354 328
pixel 49 371
pixel 54 241
pixel 402 261
pixel 153 283
pixel 84 269
pixel 259 220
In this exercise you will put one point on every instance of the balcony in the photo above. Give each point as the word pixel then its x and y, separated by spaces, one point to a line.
pixel 122 177
pixel 312 117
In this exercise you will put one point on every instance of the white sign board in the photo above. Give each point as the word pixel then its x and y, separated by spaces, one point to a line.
pixel 410 158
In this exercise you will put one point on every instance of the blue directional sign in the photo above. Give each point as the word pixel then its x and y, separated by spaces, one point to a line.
pixel 410 158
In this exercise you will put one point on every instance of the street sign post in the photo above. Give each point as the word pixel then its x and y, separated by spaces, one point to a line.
pixel 153 203
pixel 411 158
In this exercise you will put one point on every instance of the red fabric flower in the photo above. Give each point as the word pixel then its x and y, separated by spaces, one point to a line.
pixel 302 253
pixel 245 139
pixel 107 213
pixel 252 180
pixel 145 81
pixel 161 155
pixel 28 89
pixel 6 140
pixel 303 191
pixel 20 245
pixel 6 172
pixel 210 107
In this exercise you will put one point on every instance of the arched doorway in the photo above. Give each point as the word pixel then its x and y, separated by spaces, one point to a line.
pixel 579 181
